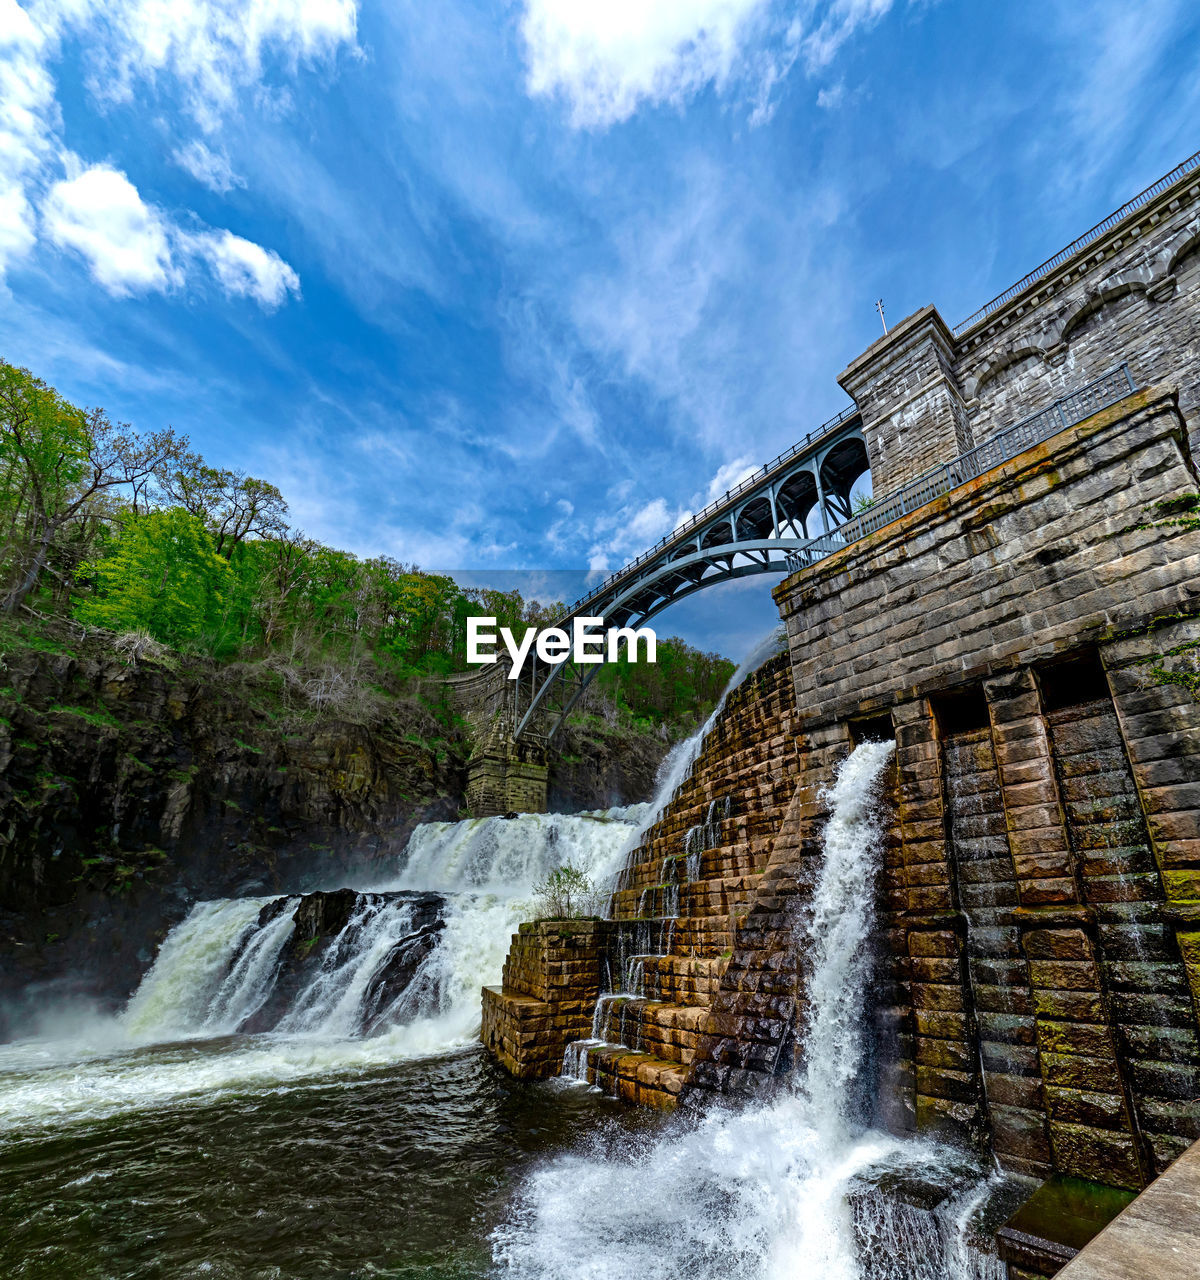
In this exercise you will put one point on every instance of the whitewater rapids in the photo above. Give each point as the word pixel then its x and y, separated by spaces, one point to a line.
pixel 177 1037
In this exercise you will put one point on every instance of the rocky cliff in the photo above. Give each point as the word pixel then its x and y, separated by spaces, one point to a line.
pixel 131 788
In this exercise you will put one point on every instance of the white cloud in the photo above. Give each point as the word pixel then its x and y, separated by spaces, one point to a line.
pixel 125 241
pixel 729 475
pixel 832 96
pixel 606 57
pixel 629 530
pixel 829 27
pixel 134 247
pixel 245 269
pixel 212 48
pixel 28 114
pixel 130 245
pixel 211 168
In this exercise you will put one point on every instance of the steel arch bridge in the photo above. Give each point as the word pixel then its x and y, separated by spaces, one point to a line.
pixel 771 516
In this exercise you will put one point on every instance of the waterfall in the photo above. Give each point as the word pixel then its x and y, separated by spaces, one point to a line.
pixel 183 989
pixel 332 1002
pixel 252 976
pixel 682 757
pixel 400 979
pixel 834 936
pixel 770 1192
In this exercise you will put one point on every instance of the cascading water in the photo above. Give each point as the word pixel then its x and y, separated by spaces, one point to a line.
pixel 218 973
pixel 778 1192
pixel 658 906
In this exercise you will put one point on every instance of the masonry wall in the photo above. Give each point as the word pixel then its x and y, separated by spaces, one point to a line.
pixel 1132 295
pixel 1031 639
pixel 550 984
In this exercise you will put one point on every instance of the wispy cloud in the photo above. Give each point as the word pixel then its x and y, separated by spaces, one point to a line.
pixel 607 58
pixel 28 117
pixel 212 49
pixel 210 168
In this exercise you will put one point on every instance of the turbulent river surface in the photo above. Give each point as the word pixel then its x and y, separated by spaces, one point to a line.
pixel 167 1142
pixel 365 1133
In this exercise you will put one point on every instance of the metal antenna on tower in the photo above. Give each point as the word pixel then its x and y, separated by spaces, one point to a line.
pixel 879 308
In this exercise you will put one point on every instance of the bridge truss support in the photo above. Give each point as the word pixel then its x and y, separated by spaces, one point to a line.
pixel 775 513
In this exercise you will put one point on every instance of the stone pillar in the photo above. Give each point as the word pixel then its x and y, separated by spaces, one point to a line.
pixel 914 415
pixel 506 776
pixel 1091 1129
pixel 947 1096
pixel 1153 678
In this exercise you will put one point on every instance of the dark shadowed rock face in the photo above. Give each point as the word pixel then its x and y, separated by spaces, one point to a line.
pixel 333 929
pixel 129 792
pixel 596 769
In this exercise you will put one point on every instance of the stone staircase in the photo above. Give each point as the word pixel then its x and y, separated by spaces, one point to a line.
pixel 684 893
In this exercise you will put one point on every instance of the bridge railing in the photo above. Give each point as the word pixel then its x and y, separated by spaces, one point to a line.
pixel 1131 206
pixel 812 438
pixel 1065 412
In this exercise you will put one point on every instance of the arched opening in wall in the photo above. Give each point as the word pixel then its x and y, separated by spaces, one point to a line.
pixel 754 520
pixel 997 385
pixel 1102 312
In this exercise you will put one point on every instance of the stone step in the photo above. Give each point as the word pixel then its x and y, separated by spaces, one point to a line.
pixel 688 980
pixel 697 899
pixel 721 861
pixel 637 1077
pixel 668 1031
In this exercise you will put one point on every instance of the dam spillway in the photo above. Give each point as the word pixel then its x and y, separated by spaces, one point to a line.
pixel 1027 639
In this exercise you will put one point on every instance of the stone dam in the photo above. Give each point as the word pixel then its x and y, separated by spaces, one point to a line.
pixel 1028 639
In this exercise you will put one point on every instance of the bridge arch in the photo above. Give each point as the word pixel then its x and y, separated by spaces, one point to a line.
pixel 802 496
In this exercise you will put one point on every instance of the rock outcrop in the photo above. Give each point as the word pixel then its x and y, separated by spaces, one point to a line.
pixel 130 790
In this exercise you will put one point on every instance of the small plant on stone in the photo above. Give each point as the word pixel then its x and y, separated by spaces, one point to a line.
pixel 566 894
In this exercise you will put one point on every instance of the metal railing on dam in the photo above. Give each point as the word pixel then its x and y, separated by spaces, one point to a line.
pixel 1081 242
pixel 1065 412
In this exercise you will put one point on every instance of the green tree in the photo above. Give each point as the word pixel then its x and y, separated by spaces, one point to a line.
pixel 163 576
pixel 232 505
pixel 56 464
pixel 567 893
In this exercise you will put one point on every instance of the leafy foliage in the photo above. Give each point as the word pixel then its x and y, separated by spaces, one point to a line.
pixel 566 893
pixel 136 533
pixel 163 576
pixel 679 689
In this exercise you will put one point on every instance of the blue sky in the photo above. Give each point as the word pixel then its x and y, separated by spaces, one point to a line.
pixel 519 285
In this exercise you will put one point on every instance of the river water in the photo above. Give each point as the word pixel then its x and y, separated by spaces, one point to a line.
pixel 164 1143
pixel 355 1139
